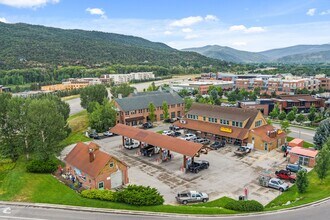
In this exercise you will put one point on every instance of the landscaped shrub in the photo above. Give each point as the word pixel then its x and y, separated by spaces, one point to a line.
pixel 244 206
pixel 139 196
pixel 40 166
pixel 105 195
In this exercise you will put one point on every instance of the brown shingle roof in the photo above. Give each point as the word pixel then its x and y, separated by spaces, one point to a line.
pixel 262 132
pixel 212 128
pixel 79 158
pixel 173 144
pixel 298 98
pixel 228 113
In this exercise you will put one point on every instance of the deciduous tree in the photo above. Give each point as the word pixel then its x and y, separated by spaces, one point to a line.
pixel 302 181
pixel 165 110
pixel 94 93
pixel 152 110
pixel 323 161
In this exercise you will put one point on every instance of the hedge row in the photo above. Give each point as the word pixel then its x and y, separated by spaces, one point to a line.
pixel 133 195
pixel 244 206
pixel 41 166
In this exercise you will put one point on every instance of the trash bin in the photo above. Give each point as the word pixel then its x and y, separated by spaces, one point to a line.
pixel 241 198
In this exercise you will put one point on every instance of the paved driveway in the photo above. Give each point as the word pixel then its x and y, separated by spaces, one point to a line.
pixel 227 175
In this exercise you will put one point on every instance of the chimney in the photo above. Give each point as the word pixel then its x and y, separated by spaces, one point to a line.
pixel 120 96
pixel 91 155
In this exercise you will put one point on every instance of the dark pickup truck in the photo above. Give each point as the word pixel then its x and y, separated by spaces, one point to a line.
pixel 197 166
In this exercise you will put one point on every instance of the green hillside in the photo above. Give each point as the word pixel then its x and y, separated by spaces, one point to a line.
pixel 24 45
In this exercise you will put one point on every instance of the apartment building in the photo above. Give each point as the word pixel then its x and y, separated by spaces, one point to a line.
pixel 134 110
pixel 302 102
pixel 202 86
pixel 126 78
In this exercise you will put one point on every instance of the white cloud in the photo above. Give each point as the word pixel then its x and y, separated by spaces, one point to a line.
pixel 188 21
pixel 191 36
pixel 187 30
pixel 239 43
pixel 326 12
pixel 311 12
pixel 27 3
pixel 168 33
pixel 211 18
pixel 237 28
pixel 247 30
pixel 3 20
pixel 96 11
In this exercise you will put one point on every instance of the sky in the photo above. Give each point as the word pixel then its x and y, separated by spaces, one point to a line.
pixel 252 25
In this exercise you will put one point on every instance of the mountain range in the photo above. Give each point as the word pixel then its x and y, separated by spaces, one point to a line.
pixel 25 45
pixel 299 54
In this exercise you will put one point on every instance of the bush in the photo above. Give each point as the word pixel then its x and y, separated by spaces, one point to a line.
pixel 139 196
pixel 40 166
pixel 244 206
pixel 105 195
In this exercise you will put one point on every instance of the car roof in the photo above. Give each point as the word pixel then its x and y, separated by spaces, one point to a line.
pixel 276 179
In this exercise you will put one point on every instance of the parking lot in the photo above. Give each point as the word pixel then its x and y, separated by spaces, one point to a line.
pixel 227 175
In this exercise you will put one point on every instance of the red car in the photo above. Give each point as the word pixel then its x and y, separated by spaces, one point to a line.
pixel 286 175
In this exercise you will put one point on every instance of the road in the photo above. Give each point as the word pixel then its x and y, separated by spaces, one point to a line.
pixel 318 211
pixel 75 106
pixel 305 134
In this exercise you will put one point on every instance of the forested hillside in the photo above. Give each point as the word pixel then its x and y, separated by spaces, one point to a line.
pixel 24 45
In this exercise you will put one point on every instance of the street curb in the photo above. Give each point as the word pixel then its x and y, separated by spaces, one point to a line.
pixel 148 213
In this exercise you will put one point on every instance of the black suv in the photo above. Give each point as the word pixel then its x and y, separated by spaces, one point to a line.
pixel 218 144
pixel 94 135
pixel 197 166
pixel 147 125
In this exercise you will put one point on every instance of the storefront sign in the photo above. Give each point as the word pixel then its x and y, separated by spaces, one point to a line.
pixel 228 130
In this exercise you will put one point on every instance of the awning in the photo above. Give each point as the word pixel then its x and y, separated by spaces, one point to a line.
pixel 134 119
pixel 163 141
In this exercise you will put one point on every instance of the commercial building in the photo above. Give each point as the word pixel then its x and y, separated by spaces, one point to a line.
pixel 302 102
pixel 134 110
pixel 325 83
pixel 94 168
pixel 303 156
pixel 126 78
pixel 202 86
pixel 234 125
pixel 265 106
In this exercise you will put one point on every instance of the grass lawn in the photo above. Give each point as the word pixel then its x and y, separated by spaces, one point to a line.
pixel 315 191
pixel 67 98
pixel 17 185
pixel 78 124
pixel 305 145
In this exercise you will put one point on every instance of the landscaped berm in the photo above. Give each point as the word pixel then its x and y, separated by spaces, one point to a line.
pixel 16 184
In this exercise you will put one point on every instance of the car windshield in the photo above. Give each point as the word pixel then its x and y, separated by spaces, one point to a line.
pixel 280 182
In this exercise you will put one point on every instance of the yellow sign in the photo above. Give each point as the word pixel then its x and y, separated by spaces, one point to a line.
pixel 279 131
pixel 228 130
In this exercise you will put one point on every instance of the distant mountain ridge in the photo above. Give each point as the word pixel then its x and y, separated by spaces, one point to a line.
pixel 293 54
pixel 25 45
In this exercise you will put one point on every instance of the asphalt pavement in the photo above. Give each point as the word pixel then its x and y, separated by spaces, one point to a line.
pixel 75 106
pixel 302 133
pixel 319 211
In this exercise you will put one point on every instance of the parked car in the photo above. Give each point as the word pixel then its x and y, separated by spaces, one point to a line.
pixel 189 136
pixel 193 139
pixel 147 125
pixel 286 175
pixel 174 128
pixel 238 143
pixel 131 144
pixel 108 134
pixel 175 134
pixel 149 150
pixel 242 150
pixel 218 144
pixel 204 141
pixel 278 184
pixel 295 168
pixel 94 135
pixel 191 196
pixel 197 166
pixel 167 132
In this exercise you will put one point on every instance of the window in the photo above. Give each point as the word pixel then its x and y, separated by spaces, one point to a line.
pixel 258 123
pixel 161 117
pixel 172 106
pixel 126 113
pixel 101 185
pixel 172 114
pixel 224 122
pixel 111 165
pixel 204 118
pixel 178 105
pixel 179 114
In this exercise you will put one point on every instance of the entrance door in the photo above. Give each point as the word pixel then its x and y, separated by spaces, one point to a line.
pixel 116 179
pixel 266 146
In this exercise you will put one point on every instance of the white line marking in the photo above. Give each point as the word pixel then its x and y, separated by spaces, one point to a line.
pixel 23 218
pixel 6 210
